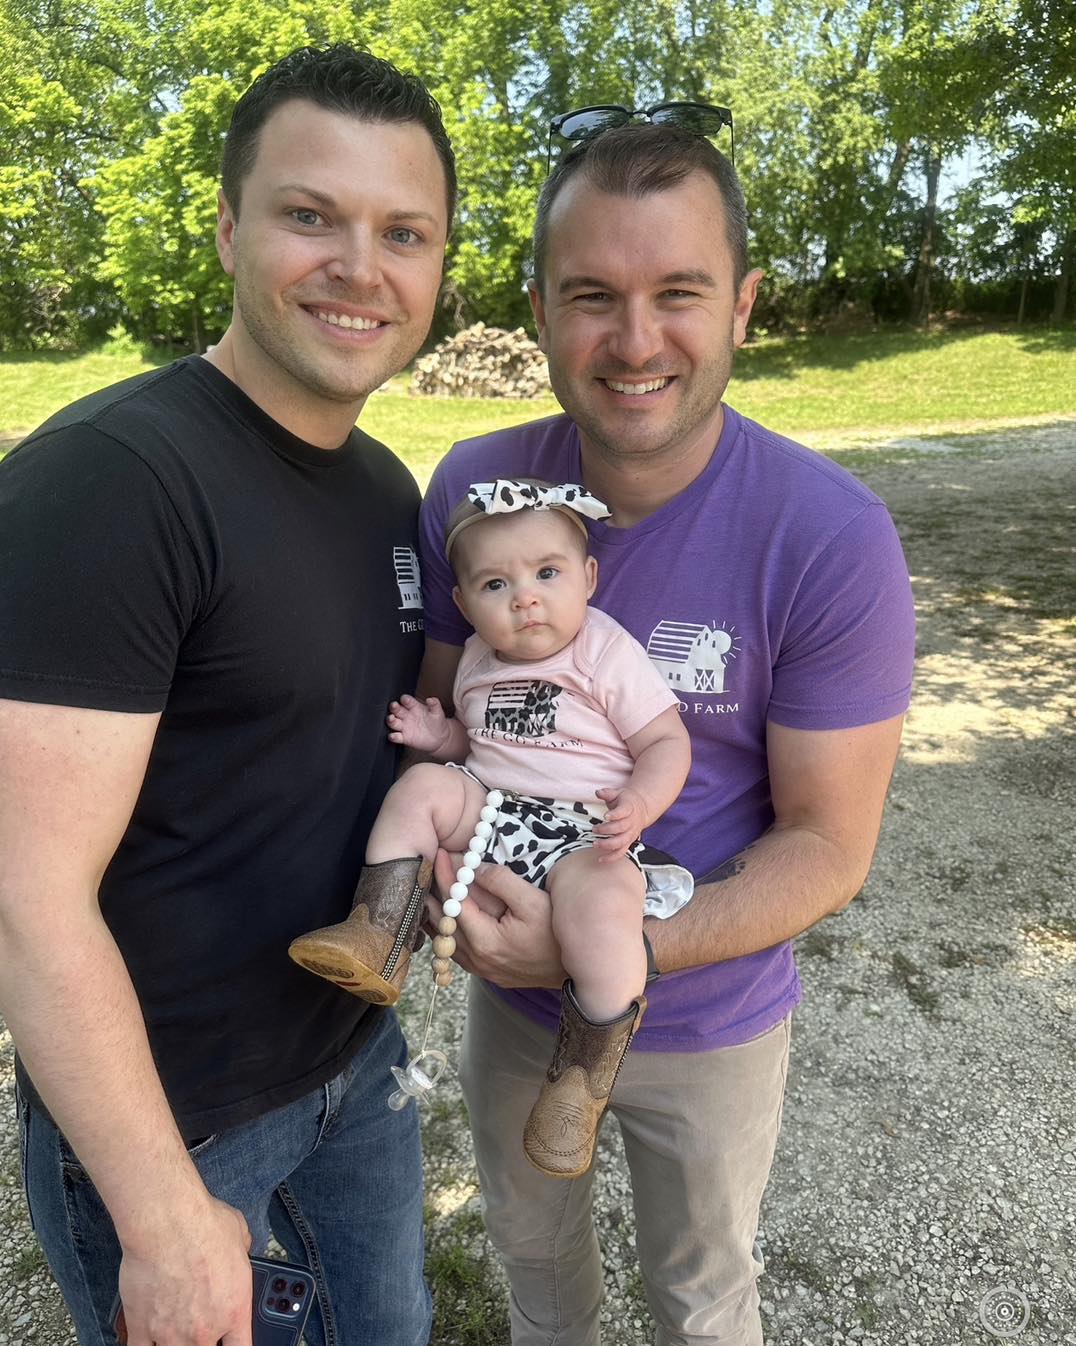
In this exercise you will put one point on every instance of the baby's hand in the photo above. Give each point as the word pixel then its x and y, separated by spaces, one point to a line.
pixel 417 724
pixel 622 824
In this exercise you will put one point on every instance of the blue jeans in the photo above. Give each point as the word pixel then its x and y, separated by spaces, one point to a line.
pixel 336 1177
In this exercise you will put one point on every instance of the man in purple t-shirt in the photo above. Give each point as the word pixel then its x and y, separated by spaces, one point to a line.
pixel 769 587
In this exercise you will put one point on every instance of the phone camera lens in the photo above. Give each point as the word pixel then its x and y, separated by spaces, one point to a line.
pixel 280 1284
pixel 284 1304
pixel 298 1289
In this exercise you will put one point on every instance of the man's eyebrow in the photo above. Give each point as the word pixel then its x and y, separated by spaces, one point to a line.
pixel 581 283
pixel 415 214
pixel 303 190
pixel 696 276
pixel 693 276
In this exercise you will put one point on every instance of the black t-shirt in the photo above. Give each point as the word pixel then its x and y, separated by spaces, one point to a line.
pixel 166 546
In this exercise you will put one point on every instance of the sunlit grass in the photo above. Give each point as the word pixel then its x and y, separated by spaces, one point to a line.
pixel 34 385
pixel 895 382
pixel 906 380
pixel 422 429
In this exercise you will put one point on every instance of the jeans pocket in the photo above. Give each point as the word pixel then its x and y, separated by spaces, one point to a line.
pixel 74 1172
pixel 22 1113
pixel 197 1148
pixel 70 1163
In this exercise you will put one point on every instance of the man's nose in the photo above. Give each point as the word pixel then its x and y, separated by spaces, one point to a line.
pixel 356 261
pixel 637 337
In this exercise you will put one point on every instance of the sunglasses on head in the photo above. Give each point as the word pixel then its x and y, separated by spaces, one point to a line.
pixel 701 119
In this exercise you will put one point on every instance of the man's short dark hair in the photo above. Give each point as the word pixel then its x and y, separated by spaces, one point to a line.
pixel 636 160
pixel 342 79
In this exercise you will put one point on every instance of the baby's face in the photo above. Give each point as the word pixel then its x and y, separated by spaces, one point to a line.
pixel 523 582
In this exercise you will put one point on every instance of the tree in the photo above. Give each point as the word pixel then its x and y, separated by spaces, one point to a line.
pixel 1034 131
pixel 113 113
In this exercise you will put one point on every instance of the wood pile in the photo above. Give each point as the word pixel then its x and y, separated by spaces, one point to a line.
pixel 482 361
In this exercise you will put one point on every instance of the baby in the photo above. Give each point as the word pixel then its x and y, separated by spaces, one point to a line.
pixel 560 709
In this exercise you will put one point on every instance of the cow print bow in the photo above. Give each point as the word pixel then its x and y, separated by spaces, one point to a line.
pixel 505 496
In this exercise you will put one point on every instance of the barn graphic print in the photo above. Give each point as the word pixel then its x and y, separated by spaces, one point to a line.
pixel 523 707
pixel 692 657
pixel 408 578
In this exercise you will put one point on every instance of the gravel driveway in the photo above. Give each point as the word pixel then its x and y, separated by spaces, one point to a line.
pixel 926 1174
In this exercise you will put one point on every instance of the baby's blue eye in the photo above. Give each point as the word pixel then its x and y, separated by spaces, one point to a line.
pixel 493 585
pixel 547 572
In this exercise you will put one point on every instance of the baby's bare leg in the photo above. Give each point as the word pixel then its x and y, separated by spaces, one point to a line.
pixel 598 922
pixel 429 806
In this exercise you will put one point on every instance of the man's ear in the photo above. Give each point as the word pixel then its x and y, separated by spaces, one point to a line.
pixel 592 576
pixel 538 309
pixel 225 234
pixel 745 302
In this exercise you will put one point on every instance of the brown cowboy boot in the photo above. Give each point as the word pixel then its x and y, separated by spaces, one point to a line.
pixel 562 1130
pixel 368 954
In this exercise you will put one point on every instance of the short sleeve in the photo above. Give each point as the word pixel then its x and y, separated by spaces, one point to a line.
pixel 631 690
pixel 443 620
pixel 99 579
pixel 847 651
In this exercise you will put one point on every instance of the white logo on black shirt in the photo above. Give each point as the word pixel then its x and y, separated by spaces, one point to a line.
pixel 408 577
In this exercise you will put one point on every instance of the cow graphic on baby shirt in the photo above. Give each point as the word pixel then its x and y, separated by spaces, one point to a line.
pixel 524 707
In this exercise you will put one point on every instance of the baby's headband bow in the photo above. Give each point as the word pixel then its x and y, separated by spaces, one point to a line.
pixel 508 495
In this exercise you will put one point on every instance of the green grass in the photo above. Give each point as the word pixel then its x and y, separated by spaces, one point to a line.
pixel 422 429
pixel 469 1306
pixel 33 385
pixel 899 381
pixel 821 388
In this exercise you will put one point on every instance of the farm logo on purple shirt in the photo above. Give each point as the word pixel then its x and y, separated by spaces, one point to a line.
pixel 694 658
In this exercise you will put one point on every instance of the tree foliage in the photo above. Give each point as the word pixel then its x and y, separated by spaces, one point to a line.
pixel 848 118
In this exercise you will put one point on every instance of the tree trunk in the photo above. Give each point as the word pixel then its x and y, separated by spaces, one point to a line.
pixel 895 175
pixel 925 266
pixel 1064 279
pixel 1023 297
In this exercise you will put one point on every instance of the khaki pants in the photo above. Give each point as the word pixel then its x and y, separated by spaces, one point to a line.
pixel 699 1128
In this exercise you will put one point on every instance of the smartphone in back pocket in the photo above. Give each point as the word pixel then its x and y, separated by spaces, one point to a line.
pixel 283 1298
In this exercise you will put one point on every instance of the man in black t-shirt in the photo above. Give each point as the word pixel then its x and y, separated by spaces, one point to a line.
pixel 208 599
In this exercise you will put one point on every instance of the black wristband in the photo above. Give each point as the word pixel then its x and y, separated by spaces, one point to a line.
pixel 653 972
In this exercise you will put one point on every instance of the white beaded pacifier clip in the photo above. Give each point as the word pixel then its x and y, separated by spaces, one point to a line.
pixel 419 1076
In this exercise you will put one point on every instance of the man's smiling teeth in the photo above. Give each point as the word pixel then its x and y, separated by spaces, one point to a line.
pixel 633 388
pixel 344 320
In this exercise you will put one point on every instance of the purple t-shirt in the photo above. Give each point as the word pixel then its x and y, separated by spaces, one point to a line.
pixel 773 587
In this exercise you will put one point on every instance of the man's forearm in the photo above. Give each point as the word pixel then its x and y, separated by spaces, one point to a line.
pixel 72 1011
pixel 773 890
